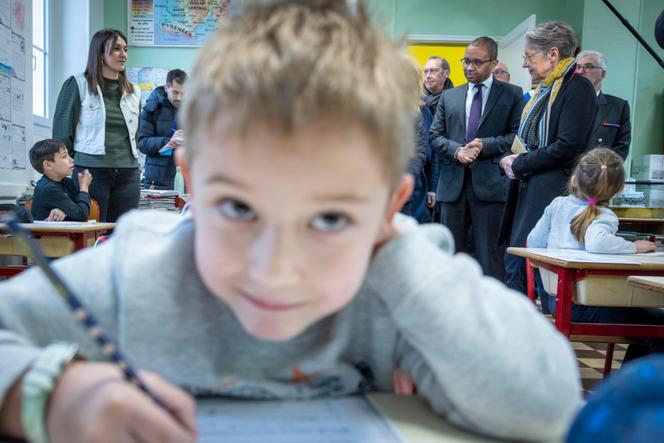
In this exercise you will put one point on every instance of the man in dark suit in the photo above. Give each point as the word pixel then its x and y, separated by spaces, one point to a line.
pixel 474 126
pixel 612 127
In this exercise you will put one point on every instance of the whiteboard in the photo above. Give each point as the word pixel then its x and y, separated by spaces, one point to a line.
pixel 15 97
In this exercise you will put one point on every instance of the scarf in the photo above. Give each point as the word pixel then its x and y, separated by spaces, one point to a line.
pixel 534 127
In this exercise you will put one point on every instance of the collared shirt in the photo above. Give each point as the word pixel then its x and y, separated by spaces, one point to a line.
pixel 472 91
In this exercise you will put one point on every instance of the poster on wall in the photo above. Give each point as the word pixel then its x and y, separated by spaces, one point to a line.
pixel 174 22
pixel 5 145
pixel 18 57
pixel 18 16
pixel 5 14
pixel 5 97
pixel 18 101
pixel 5 50
pixel 148 79
pixel 19 151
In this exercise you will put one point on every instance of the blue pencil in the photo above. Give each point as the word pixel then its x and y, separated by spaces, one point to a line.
pixel 108 347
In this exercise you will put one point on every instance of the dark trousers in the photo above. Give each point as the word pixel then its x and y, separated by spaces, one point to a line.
pixel 515 273
pixel 117 190
pixel 610 314
pixel 484 217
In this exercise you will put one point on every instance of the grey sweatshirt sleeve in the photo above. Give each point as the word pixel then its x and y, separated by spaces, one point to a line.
pixel 601 237
pixel 480 353
pixel 32 315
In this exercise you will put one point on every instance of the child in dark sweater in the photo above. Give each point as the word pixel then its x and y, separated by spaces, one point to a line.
pixel 57 197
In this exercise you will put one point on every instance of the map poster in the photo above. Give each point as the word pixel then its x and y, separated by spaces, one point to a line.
pixel 174 22
pixel 148 79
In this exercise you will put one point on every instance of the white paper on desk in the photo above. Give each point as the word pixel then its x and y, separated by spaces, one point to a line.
pixel 580 255
pixel 343 420
pixel 63 224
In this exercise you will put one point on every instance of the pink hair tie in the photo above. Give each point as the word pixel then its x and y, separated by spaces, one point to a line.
pixel 592 202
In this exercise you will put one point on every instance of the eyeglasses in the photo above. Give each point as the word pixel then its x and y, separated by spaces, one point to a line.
pixel 529 57
pixel 588 67
pixel 431 71
pixel 499 72
pixel 475 62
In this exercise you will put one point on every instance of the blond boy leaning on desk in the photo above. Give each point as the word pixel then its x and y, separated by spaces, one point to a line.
pixel 292 279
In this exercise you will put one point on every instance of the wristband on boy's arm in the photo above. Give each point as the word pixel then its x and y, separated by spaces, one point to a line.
pixel 38 383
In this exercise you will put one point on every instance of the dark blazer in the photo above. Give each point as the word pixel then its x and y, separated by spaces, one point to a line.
pixel 418 167
pixel 612 127
pixel 542 174
pixel 498 126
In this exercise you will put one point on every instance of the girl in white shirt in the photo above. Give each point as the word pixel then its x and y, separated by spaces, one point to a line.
pixel 581 220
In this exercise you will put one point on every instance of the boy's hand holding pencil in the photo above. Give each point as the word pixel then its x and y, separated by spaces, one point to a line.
pixel 93 403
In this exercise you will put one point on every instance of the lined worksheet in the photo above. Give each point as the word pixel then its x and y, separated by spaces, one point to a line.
pixel 344 420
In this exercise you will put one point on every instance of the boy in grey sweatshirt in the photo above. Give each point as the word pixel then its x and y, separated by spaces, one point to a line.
pixel 292 278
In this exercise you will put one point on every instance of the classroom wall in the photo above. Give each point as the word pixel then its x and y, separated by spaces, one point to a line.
pixel 632 73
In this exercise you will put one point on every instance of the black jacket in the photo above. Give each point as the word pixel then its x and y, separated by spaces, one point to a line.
pixel 542 174
pixel 155 130
pixel 612 128
pixel 64 195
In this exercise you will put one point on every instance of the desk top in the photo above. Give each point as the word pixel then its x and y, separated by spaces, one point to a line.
pixel 418 424
pixel 649 282
pixel 62 227
pixel 579 259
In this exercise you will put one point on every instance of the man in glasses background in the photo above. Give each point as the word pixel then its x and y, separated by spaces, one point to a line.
pixel 612 128
pixel 501 72
pixel 436 80
pixel 474 126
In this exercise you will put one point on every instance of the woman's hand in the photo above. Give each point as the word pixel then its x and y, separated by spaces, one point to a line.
pixel 506 164
pixel 93 403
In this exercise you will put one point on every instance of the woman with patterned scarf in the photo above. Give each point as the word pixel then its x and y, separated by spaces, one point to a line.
pixel 555 129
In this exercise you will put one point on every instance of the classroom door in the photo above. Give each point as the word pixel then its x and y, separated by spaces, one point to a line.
pixel 510 52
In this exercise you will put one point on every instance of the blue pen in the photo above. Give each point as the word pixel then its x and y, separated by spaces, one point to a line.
pixel 82 314
pixel 611 125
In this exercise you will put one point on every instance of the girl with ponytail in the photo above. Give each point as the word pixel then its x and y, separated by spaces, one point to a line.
pixel 581 220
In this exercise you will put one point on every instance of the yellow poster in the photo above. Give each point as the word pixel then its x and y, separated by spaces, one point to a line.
pixel 453 53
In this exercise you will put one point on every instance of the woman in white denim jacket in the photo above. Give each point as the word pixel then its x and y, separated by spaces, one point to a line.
pixel 97 117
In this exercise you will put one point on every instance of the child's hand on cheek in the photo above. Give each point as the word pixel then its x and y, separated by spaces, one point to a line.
pixel 93 403
pixel 389 232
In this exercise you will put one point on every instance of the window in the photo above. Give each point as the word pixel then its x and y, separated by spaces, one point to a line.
pixel 40 58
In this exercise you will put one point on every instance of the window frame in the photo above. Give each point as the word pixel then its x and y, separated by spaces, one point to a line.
pixel 39 120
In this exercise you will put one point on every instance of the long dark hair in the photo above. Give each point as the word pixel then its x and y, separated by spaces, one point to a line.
pixel 599 175
pixel 102 43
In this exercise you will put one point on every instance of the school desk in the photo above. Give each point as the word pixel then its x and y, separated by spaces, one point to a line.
pixel 597 280
pixel 647 282
pixel 57 239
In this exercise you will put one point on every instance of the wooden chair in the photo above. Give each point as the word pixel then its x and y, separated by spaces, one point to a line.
pixel 94 210
pixel 92 215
